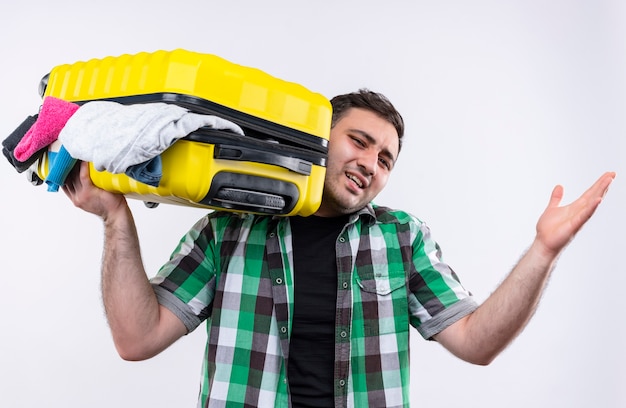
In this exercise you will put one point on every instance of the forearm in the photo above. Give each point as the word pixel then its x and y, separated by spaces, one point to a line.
pixel 140 327
pixel 505 313
pixel 132 310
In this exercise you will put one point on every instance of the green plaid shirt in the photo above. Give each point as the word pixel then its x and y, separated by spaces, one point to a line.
pixel 236 272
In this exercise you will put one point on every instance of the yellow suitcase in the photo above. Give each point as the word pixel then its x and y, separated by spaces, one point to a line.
pixel 278 167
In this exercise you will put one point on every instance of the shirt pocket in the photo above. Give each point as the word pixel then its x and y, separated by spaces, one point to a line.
pixel 383 302
pixel 382 285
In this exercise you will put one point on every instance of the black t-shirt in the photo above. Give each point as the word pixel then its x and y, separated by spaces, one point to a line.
pixel 312 345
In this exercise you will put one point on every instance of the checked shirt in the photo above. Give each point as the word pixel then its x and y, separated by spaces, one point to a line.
pixel 235 272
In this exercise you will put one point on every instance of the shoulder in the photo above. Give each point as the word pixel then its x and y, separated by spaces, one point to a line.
pixel 230 216
pixel 230 220
pixel 387 215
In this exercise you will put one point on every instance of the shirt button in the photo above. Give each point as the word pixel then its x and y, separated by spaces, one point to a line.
pixel 345 285
pixel 342 383
pixel 279 281
pixel 342 239
pixel 272 234
pixel 283 329
pixel 343 334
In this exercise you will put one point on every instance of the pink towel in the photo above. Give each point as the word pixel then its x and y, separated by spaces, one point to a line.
pixel 52 118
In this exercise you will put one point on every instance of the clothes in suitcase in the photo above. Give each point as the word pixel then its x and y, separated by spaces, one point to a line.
pixel 277 166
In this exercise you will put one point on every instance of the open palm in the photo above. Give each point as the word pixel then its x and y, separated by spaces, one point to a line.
pixel 558 225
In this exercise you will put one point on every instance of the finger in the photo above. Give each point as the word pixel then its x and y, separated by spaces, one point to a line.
pixel 68 186
pixel 594 195
pixel 591 199
pixel 73 180
pixel 68 189
pixel 556 197
pixel 84 173
pixel 601 186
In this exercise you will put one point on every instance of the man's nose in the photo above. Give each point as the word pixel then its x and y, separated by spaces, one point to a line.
pixel 368 161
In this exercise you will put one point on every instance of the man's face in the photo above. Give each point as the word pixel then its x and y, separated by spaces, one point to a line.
pixel 362 151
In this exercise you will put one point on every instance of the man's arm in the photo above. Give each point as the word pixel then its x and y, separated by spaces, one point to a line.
pixel 141 328
pixel 481 336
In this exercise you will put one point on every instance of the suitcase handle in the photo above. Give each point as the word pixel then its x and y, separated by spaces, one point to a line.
pixel 251 193
pixel 241 153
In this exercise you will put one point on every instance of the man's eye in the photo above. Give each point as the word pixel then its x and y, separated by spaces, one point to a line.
pixel 385 163
pixel 358 141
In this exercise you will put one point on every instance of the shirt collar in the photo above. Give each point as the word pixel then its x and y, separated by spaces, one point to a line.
pixel 367 213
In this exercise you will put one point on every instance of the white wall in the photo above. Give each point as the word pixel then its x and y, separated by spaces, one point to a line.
pixel 503 100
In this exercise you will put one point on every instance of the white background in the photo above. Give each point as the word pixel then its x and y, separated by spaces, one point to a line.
pixel 503 100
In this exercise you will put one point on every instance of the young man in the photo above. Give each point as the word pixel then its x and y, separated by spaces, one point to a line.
pixel 316 311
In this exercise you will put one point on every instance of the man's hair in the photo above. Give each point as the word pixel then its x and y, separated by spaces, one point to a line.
pixel 372 101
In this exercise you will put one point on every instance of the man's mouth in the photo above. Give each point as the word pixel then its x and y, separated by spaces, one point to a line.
pixel 355 179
